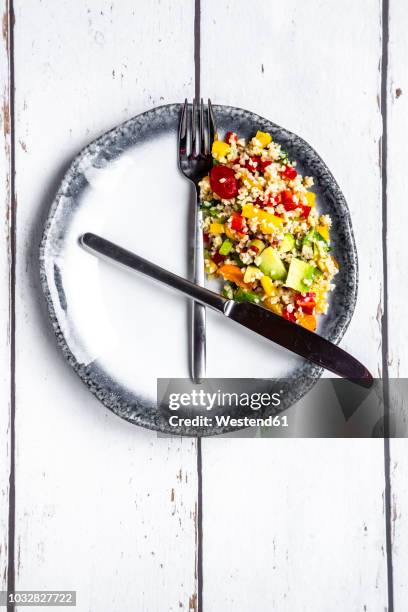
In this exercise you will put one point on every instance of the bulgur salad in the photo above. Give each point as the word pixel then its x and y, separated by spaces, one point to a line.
pixel 263 234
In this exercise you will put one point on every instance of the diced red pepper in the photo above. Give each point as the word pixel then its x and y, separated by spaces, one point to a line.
pixel 290 206
pixel 238 222
pixel 256 163
pixel 218 258
pixel 223 182
pixel 306 302
pixel 251 164
pixel 264 202
pixel 206 237
pixel 286 196
pixel 305 211
pixel 289 173
pixel 259 202
pixel 263 164
pixel 287 200
pixel 231 137
pixel 289 316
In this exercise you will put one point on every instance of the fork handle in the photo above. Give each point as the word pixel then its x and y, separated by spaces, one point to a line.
pixel 198 334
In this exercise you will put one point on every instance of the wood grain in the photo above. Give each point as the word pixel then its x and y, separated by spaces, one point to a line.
pixel 299 531
pixel 103 508
pixel 397 218
pixel 5 253
pixel 110 510
pixel 304 525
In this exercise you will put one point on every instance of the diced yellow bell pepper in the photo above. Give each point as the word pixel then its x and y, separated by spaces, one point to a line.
pixel 249 181
pixel 210 266
pixel 269 222
pixel 266 219
pixel 220 149
pixel 275 307
pixel 267 228
pixel 216 228
pixel 311 198
pixel 320 299
pixel 323 231
pixel 249 211
pixel 230 233
pixel 270 218
pixel 321 264
pixel 264 138
pixel 268 286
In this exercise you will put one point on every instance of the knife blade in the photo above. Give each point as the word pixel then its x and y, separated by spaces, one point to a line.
pixel 291 336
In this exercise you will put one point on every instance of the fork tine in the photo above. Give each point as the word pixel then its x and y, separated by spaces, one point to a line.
pixel 194 128
pixel 183 131
pixel 203 146
pixel 212 129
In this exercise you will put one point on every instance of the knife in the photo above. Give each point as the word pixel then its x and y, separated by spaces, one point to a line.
pixel 264 322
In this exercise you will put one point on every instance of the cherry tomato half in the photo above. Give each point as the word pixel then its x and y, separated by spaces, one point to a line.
pixel 223 182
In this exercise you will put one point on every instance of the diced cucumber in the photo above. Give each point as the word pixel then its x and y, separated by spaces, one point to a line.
pixel 214 213
pixel 270 263
pixel 308 239
pixel 287 244
pixel 251 274
pixel 241 295
pixel 228 291
pixel 225 247
pixel 210 209
pixel 300 275
pixel 313 237
pixel 313 244
pixel 258 244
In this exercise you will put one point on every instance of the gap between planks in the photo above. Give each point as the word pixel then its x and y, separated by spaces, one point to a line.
pixel 384 319
pixel 9 130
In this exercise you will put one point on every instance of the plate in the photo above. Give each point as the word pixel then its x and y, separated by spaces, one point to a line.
pixel 120 331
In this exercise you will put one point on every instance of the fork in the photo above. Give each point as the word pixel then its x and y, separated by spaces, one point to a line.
pixel 195 162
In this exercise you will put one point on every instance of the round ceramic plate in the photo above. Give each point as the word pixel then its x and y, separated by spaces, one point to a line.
pixel 120 331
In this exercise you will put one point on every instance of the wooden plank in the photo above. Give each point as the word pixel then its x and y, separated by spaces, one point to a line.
pixel 397 217
pixel 5 252
pixel 102 506
pixel 304 526
pixel 299 531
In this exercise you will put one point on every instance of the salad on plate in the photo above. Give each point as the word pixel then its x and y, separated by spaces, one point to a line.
pixel 263 234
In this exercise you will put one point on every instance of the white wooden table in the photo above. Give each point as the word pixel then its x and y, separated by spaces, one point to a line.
pixel 133 522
